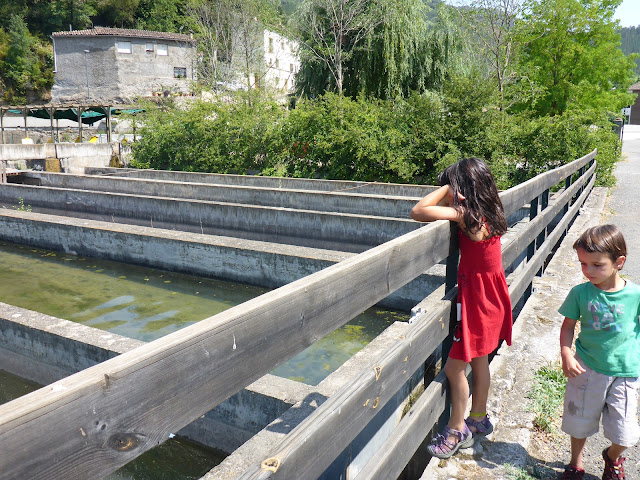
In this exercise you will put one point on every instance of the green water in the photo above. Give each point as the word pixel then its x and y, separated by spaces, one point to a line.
pixel 145 303
pixel 175 459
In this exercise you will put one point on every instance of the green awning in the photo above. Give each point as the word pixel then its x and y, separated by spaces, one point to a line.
pixel 89 116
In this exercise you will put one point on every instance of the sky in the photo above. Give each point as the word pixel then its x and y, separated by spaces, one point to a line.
pixel 629 13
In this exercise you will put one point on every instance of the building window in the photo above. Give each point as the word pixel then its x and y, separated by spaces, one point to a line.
pixel 149 47
pixel 179 72
pixel 163 49
pixel 291 67
pixel 256 80
pixel 123 47
pixel 270 45
pixel 277 63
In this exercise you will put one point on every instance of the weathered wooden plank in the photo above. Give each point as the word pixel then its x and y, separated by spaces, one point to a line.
pixel 530 233
pixel 520 195
pixel 525 276
pixel 397 451
pixel 310 447
pixel 93 422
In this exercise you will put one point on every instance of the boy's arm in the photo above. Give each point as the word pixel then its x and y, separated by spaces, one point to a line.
pixel 435 206
pixel 570 365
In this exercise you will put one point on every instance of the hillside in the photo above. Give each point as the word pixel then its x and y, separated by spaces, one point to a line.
pixel 631 43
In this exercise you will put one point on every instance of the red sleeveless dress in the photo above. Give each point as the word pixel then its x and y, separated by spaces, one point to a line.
pixel 483 300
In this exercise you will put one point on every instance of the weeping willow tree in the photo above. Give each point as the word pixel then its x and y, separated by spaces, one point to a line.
pixel 404 52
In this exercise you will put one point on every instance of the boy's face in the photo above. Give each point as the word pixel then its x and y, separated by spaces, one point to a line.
pixel 599 268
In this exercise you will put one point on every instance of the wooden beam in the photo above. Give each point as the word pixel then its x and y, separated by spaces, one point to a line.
pixel 517 245
pixel 396 452
pixel 310 448
pixel 522 194
pixel 522 280
pixel 91 423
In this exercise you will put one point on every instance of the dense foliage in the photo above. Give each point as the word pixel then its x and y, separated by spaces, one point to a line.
pixel 404 140
pixel 630 37
pixel 399 91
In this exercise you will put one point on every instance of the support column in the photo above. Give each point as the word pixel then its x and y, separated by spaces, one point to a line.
pixel 107 110
pixel 2 125
pixel 79 113
pixel 25 110
pixel 52 112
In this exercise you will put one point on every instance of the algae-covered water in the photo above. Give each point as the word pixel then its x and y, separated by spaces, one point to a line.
pixel 175 459
pixel 146 303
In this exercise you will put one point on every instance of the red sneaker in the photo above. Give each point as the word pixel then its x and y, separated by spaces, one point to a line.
pixel 572 473
pixel 612 470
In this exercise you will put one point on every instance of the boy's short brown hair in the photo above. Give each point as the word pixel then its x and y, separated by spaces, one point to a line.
pixel 603 239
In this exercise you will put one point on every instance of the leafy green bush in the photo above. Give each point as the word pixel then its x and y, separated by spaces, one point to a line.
pixel 405 140
pixel 336 137
pixel 221 137
pixel 523 146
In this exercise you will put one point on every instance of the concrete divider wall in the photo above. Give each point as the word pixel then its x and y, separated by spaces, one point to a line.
pixel 298 227
pixel 45 349
pixel 356 203
pixel 345 186
pixel 74 157
pixel 258 263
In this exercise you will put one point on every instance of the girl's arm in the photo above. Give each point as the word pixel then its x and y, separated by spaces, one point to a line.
pixel 435 206
pixel 570 365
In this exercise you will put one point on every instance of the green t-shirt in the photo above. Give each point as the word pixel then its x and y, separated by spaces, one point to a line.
pixel 609 339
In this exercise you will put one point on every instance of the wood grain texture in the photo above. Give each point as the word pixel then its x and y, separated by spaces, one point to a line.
pixel 93 422
pixel 311 446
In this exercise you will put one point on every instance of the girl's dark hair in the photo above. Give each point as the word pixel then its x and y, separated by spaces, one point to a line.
pixel 603 239
pixel 471 178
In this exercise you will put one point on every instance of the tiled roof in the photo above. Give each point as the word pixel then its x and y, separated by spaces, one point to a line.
pixel 635 86
pixel 124 32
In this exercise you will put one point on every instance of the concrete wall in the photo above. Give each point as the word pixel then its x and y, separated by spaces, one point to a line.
pixel 45 349
pixel 343 232
pixel 73 157
pixel 258 263
pixel 336 202
pixel 342 186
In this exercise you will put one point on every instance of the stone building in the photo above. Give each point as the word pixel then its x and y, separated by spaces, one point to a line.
pixel 116 65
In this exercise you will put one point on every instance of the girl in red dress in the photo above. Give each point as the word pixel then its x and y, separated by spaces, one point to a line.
pixel 469 197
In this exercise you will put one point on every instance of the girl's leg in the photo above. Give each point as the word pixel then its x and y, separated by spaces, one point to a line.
pixel 480 385
pixel 455 371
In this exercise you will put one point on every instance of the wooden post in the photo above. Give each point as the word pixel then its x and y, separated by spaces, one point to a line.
pixel 52 112
pixel 107 110
pixel 451 280
pixel 2 124
pixel 24 115
pixel 543 234
pixel 79 113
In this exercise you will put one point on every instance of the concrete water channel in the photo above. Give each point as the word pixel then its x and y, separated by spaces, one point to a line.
pixel 263 232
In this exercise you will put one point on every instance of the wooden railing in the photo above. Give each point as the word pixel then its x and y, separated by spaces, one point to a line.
pixel 91 423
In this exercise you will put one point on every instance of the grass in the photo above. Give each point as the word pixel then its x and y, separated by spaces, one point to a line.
pixel 517 473
pixel 546 397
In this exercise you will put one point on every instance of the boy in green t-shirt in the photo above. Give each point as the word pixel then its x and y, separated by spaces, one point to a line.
pixel 603 375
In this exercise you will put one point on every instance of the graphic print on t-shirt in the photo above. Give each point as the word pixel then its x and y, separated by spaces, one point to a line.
pixel 603 315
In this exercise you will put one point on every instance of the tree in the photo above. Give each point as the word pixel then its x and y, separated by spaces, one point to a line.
pixel 230 38
pixel 572 51
pixel 493 34
pixel 330 30
pixel 27 65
